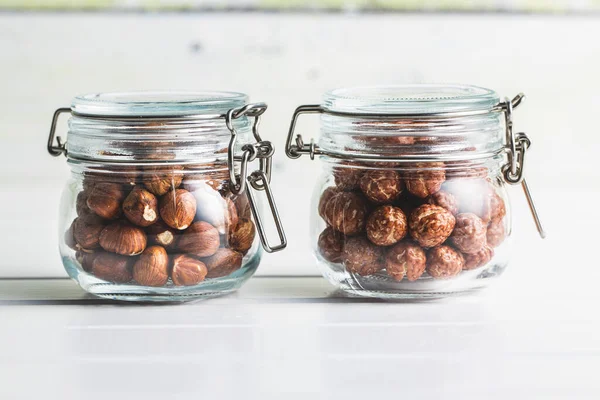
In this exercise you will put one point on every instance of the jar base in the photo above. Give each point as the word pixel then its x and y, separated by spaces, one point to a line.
pixel 383 287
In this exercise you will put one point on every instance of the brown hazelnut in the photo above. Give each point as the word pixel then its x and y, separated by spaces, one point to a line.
pixel 346 213
pixel 362 257
pixel 212 208
pixel 347 178
pixel 123 238
pixel 152 268
pixel 425 179
pixel 178 208
pixel 381 186
pixel 86 231
pixel 160 180
pixel 187 271
pixel 242 236
pixel 242 205
pixel 386 226
pixel 495 233
pixel 105 200
pixel 469 233
pixel 325 197
pixel 140 207
pixel 81 204
pixel 405 259
pixel 444 262
pixel 113 267
pixel 161 234
pixel 223 263
pixel 430 225
pixel 69 238
pixel 331 245
pixel 86 259
pixel 479 259
pixel 201 239
pixel 444 199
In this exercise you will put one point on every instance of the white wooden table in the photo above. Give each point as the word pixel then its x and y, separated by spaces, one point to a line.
pixel 296 337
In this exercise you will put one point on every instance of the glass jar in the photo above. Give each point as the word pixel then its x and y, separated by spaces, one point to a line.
pixel 412 200
pixel 160 205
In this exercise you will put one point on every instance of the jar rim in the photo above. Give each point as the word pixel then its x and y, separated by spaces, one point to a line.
pixel 411 99
pixel 157 103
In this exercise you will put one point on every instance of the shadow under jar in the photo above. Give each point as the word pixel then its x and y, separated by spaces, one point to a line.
pixel 412 200
pixel 160 204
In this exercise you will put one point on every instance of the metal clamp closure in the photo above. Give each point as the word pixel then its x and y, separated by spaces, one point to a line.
pixel 61 148
pixel 259 179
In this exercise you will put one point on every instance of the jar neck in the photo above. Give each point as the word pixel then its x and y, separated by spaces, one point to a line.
pixel 153 140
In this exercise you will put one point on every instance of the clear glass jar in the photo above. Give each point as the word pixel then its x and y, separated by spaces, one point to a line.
pixel 159 206
pixel 412 199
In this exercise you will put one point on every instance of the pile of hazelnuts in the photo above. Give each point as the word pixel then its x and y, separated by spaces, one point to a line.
pixel 160 226
pixel 420 220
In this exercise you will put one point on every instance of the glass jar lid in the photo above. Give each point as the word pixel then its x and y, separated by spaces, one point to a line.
pixel 157 103
pixel 409 99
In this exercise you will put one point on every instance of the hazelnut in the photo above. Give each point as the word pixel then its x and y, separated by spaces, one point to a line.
pixel 430 225
pixel 479 259
pixel 346 213
pixel 325 197
pixel 495 233
pixel 214 209
pixel 469 233
pixel 223 263
pixel 381 186
pixel 497 206
pixel 201 239
pixel 123 238
pixel 187 271
pixel 347 178
pixel 425 179
pixel 162 235
pixel 160 180
pixel 386 225
pixel 105 199
pixel 444 199
pixel 444 262
pixel 86 231
pixel 178 208
pixel 69 238
pixel 331 245
pixel 81 204
pixel 86 259
pixel 405 259
pixel 113 267
pixel 242 236
pixel 152 268
pixel 141 207
pixel 362 257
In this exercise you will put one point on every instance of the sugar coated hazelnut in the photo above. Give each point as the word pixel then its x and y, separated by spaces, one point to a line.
pixel 444 262
pixel 113 267
pixel 479 259
pixel 386 225
pixel 200 239
pixel 495 233
pixel 123 238
pixel 187 271
pixel 178 208
pixel 331 245
pixel 425 179
pixel 222 263
pixel 346 213
pixel 381 186
pixel 446 200
pixel 347 178
pixel 325 197
pixel 362 257
pixel 140 207
pixel 152 267
pixel 430 225
pixel 405 259
pixel 469 234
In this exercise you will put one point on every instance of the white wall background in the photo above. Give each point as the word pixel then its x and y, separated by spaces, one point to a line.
pixel 288 60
